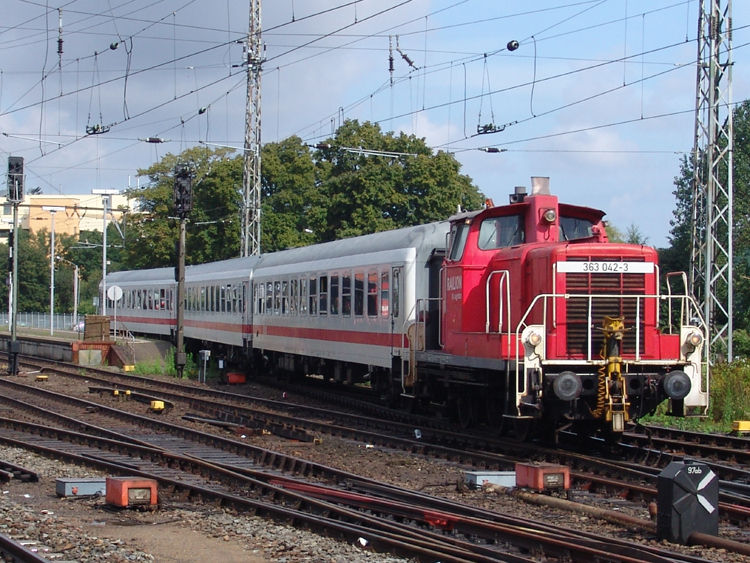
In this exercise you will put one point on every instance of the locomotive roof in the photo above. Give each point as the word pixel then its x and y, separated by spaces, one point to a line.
pixel 409 237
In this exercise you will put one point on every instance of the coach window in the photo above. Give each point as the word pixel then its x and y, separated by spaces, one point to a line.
pixel 217 298
pixel 323 293
pixel 303 296
pixel 242 299
pixel 276 297
pixel 459 232
pixel 162 298
pixel 372 294
pixel 346 295
pixel 260 298
pixel 359 294
pixel 313 295
pixel 204 297
pixel 335 294
pixel 500 232
pixel 384 300
pixel 294 297
pixel 284 297
pixel 269 298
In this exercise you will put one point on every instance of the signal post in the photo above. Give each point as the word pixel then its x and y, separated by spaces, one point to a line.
pixel 183 204
pixel 15 196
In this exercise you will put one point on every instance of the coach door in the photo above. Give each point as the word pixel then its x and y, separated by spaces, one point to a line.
pixel 248 299
pixel 391 299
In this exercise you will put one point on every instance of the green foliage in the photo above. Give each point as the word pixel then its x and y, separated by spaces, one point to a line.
pixel 359 193
pixel 614 234
pixel 154 367
pixel 729 384
pixel 213 225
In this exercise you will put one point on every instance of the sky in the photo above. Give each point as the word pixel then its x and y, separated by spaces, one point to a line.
pixel 599 95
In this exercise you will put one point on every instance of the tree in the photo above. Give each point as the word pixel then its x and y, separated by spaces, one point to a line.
pixel 33 272
pixel 308 196
pixel 290 195
pixel 364 192
pixel 213 227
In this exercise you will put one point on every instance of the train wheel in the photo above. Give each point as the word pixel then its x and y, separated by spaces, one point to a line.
pixel 493 414
pixel 523 428
pixel 467 415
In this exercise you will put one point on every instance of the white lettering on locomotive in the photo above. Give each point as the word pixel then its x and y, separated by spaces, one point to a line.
pixel 454 283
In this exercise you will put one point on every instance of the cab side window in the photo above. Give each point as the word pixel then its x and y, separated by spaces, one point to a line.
pixel 459 232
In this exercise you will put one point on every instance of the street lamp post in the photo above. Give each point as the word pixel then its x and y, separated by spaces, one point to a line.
pixel 52 210
pixel 106 199
pixel 75 290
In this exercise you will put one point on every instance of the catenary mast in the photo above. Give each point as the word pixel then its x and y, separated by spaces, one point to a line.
pixel 711 256
pixel 251 176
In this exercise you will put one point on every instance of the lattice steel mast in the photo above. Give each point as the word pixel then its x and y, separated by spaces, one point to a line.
pixel 711 257
pixel 251 175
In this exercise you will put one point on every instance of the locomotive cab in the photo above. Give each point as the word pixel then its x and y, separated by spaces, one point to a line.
pixel 555 326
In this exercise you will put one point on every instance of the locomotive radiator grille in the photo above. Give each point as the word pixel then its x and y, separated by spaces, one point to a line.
pixel 577 317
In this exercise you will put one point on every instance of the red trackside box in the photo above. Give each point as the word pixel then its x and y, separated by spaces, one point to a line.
pixel 542 476
pixel 131 491
pixel 235 378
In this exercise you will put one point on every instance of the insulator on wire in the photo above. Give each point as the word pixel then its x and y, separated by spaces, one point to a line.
pixel 492 149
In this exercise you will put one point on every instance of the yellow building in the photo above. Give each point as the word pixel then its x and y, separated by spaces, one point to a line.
pixel 73 214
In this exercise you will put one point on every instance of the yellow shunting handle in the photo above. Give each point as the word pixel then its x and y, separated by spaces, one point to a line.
pixel 741 426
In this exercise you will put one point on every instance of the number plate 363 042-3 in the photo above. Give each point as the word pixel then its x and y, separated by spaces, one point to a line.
pixel 605 267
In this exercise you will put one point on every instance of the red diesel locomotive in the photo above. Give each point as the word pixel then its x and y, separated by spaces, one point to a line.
pixel 546 324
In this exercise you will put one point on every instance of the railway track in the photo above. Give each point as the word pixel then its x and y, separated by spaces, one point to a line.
pixel 396 520
pixel 13 551
pixel 588 472
pixel 592 473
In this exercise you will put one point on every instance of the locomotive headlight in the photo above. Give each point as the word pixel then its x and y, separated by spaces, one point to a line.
pixel 550 215
pixel 695 338
pixel 534 338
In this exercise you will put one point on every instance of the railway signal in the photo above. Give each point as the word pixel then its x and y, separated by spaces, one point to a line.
pixel 15 178
pixel 183 189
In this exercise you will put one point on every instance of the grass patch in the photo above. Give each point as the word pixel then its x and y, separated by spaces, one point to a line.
pixel 154 367
pixel 729 401
pixel 167 367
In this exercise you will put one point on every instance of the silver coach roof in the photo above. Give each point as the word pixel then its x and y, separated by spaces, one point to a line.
pixel 422 237
pixel 409 237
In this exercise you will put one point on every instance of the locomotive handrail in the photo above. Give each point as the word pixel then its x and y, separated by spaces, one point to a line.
pixel 683 315
pixel 505 277
pixel 544 297
pixel 521 382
